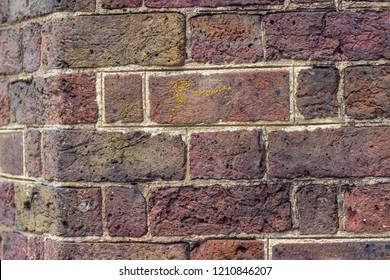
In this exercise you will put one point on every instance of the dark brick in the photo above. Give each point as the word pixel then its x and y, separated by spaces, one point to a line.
pixel 125 210
pixel 62 99
pixel 31 47
pixel 33 153
pixel 7 204
pixel 123 98
pixel 35 248
pixel 343 152
pixel 330 2
pixel 226 38
pixel 229 250
pixel 367 92
pixel 207 3
pixel 317 210
pixel 317 93
pixel 112 156
pixel 11 51
pixel 367 209
pixel 227 155
pixel 11 151
pixel 328 36
pixel 220 210
pixel 210 98
pixel 114 251
pixel 4 104
pixel 145 39
pixel 120 4
pixel 369 250
pixel 59 211
pixel 14 246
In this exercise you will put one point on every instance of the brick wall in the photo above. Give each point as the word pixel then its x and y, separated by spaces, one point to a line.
pixel 202 129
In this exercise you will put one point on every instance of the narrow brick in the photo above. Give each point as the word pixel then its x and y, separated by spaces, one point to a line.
pixel 369 250
pixel 62 99
pixel 317 93
pixel 33 153
pixel 114 251
pixel 3 11
pixel 210 98
pixel 7 204
pixel 343 152
pixel 14 246
pixel 317 210
pixel 145 39
pixel 219 210
pixel 112 156
pixel 207 3
pixel 328 36
pixel 11 51
pixel 229 250
pixel 330 2
pixel 35 248
pixel 227 155
pixel 226 38
pixel 123 98
pixel 11 151
pixel 125 212
pixel 4 104
pixel 60 211
pixel 367 208
pixel 120 4
pixel 31 47
pixel 367 92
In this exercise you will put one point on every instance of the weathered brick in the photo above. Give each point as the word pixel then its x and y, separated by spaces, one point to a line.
pixel 21 9
pixel 35 248
pixel 7 204
pixel 14 246
pixel 227 155
pixel 114 251
pixel 120 4
pixel 31 47
pixel 123 98
pixel 60 211
pixel 317 93
pixel 226 38
pixel 207 3
pixel 348 250
pixel 125 211
pixel 317 210
pixel 11 151
pixel 33 153
pixel 62 99
pixel 11 51
pixel 343 152
pixel 220 210
pixel 367 92
pixel 112 156
pixel 328 36
pixel 4 104
pixel 313 1
pixel 229 250
pixel 367 208
pixel 145 39
pixel 209 98
pixel 3 11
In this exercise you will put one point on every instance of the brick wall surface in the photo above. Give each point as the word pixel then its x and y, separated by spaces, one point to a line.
pixel 194 129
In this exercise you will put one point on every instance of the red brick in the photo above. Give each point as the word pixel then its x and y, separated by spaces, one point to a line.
pixel 14 246
pixel 209 98
pixel 207 3
pixel 3 11
pixel 33 153
pixel 317 210
pixel 60 211
pixel 7 204
pixel 11 51
pixel 11 151
pixel 35 248
pixel 328 36
pixel 330 2
pixel 219 210
pixel 125 211
pixel 367 94
pixel 367 208
pixel 31 47
pixel 343 152
pixel 112 156
pixel 229 250
pixel 120 4
pixel 4 104
pixel 227 155
pixel 226 38
pixel 145 39
pixel 123 98
pixel 62 99
pixel 348 250
pixel 114 251
pixel 317 93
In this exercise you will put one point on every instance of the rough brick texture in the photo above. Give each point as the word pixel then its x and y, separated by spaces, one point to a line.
pixel 4 104
pixel 220 210
pixel 206 3
pixel 3 11
pixel 31 47
pixel 343 152
pixel 7 204
pixel 120 4
pixel 111 156
pixel 33 153
pixel 227 155
pixel 208 98
pixel 10 51
pixel 228 250
pixel 367 92
pixel 367 208
pixel 11 151
pixel 14 246
pixel 226 38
